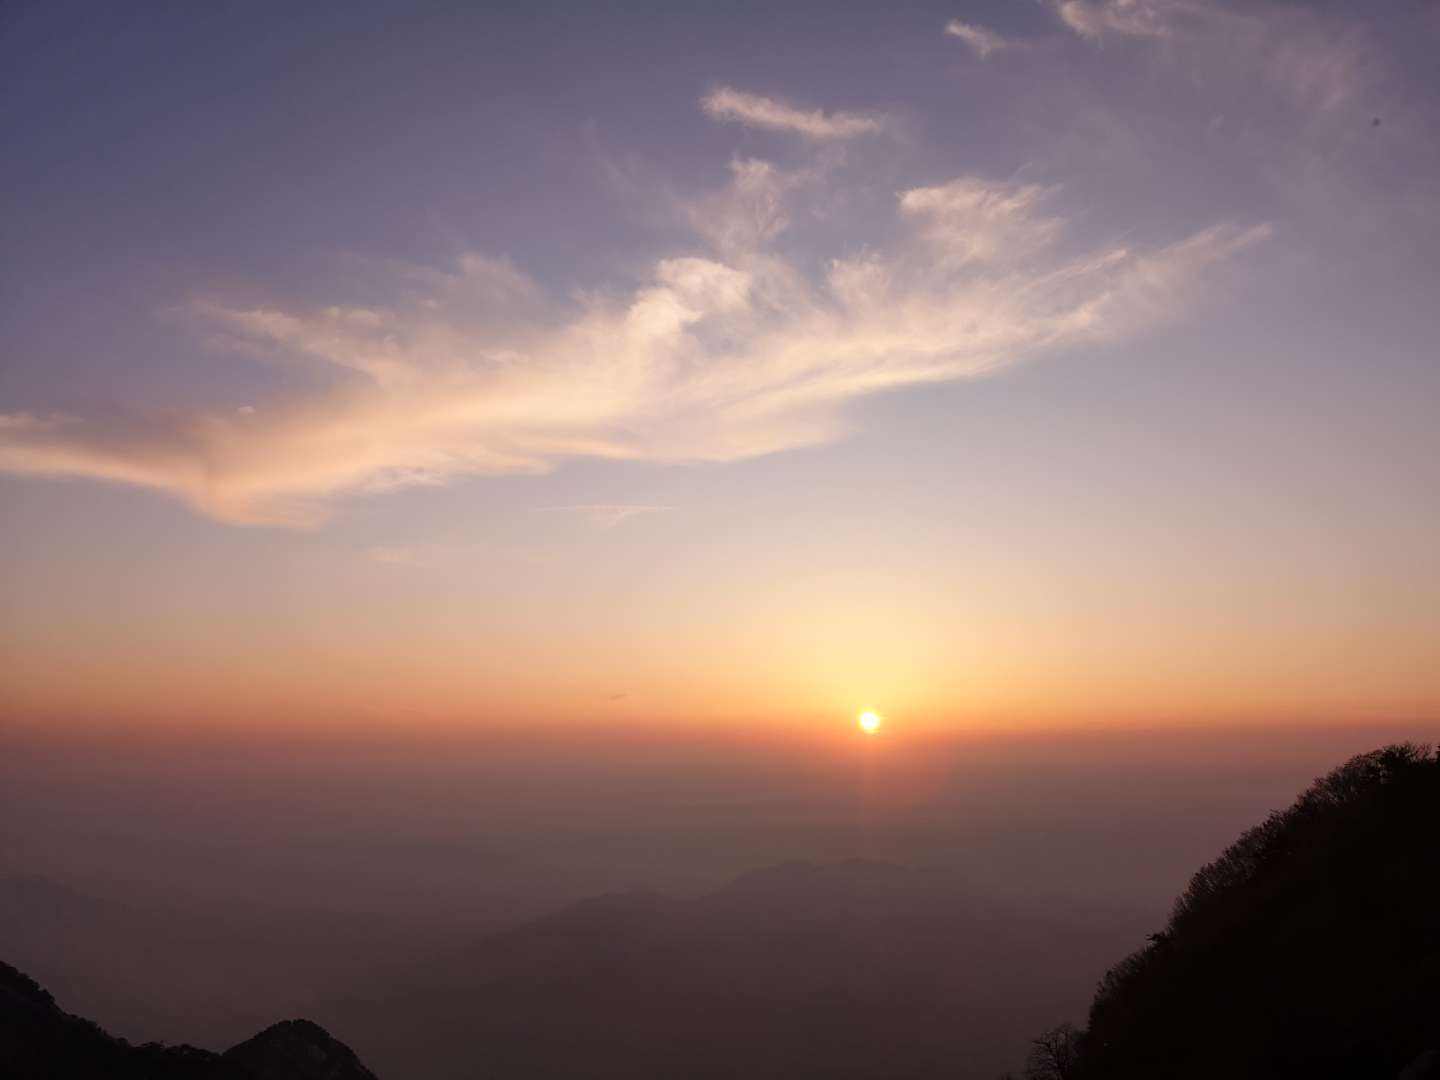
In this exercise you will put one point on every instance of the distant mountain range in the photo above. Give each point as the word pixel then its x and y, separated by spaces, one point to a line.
pixel 856 969
pixel 1309 949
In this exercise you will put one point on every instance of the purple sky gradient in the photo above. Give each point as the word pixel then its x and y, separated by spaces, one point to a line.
pixel 987 362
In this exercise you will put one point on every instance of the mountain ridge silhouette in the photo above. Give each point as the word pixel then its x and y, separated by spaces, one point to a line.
pixel 1309 950
pixel 40 1041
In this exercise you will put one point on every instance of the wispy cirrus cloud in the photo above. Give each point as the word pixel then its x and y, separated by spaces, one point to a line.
pixel 971 220
pixel 1096 19
pixel 982 42
pixel 606 515
pixel 725 103
pixel 727 351
pixel 1316 58
pixel 421 555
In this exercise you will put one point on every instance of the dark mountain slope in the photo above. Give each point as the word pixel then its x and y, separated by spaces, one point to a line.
pixel 1310 948
pixel 39 1041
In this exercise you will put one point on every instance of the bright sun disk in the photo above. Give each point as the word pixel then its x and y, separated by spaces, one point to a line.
pixel 869 722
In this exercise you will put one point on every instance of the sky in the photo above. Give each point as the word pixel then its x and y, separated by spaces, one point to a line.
pixel 476 367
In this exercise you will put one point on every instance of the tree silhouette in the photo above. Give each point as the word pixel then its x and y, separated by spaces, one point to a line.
pixel 1054 1054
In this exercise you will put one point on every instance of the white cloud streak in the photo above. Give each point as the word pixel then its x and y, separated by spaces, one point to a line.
pixel 724 353
pixel 606 515
pixel 1096 19
pixel 982 42
pixel 970 220
pixel 755 110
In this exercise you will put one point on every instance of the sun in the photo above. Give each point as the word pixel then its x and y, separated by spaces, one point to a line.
pixel 869 722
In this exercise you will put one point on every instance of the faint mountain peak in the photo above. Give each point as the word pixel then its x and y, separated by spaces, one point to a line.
pixel 801 885
pixel 804 873
pixel 605 911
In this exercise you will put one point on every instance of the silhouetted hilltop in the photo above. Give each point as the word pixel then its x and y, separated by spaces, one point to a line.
pixel 39 1041
pixel 1310 948
pixel 293 1050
